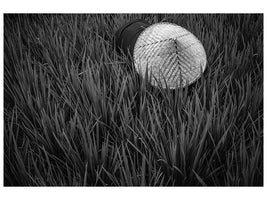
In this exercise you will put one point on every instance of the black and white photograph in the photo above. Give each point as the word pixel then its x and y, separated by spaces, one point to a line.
pixel 133 99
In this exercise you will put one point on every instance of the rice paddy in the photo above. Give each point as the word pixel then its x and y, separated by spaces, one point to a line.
pixel 76 113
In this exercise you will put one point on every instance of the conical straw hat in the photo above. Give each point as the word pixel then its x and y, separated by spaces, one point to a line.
pixel 170 55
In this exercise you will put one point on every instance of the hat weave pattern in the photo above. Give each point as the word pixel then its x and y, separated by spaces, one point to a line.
pixel 171 56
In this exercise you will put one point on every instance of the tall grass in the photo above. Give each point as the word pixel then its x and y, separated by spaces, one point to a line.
pixel 76 113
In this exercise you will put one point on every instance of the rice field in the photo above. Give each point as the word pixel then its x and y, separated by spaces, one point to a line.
pixel 76 113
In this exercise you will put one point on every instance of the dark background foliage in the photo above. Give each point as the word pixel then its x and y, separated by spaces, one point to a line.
pixel 76 113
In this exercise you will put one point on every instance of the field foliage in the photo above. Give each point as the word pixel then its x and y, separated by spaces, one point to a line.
pixel 76 112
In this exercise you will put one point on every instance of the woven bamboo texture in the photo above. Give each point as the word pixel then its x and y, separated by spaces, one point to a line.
pixel 170 55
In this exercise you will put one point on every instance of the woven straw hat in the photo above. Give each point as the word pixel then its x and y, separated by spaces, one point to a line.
pixel 170 55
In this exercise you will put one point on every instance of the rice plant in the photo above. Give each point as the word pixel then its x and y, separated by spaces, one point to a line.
pixel 76 113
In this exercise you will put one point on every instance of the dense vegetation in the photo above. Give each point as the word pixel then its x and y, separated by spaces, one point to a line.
pixel 76 112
